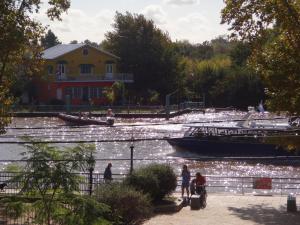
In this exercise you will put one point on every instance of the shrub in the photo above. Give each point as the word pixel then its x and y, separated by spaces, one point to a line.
pixel 127 204
pixel 82 210
pixel 68 209
pixel 157 180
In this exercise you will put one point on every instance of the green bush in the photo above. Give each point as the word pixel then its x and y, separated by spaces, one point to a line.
pixel 128 205
pixel 82 210
pixel 157 180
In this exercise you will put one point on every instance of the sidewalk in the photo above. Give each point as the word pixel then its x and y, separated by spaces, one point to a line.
pixel 233 210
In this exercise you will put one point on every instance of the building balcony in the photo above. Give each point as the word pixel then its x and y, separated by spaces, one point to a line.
pixel 123 77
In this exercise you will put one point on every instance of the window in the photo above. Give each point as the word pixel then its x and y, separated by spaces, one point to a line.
pixel 77 92
pixel 109 68
pixel 85 68
pixel 95 92
pixel 61 69
pixel 50 69
pixel 85 51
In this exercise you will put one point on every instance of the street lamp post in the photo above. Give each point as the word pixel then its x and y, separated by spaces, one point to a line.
pixel 91 163
pixel 131 158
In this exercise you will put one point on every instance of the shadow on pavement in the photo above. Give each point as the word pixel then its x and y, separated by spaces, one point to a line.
pixel 266 215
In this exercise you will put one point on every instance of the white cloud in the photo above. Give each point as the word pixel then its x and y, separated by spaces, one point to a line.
pixel 77 25
pixel 193 27
pixel 193 19
pixel 156 13
pixel 195 23
pixel 181 2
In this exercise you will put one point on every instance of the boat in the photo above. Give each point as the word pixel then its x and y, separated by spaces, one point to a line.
pixel 233 141
pixel 85 120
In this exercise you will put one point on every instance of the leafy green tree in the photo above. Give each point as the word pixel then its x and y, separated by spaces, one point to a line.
pixel 49 176
pixel 239 88
pixel 88 42
pixel 206 50
pixel 153 97
pixel 49 40
pixel 115 92
pixel 221 46
pixel 195 51
pixel 206 75
pixel 240 53
pixel 273 29
pixel 20 52
pixel 146 52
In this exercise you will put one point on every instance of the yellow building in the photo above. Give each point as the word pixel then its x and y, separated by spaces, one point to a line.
pixel 80 71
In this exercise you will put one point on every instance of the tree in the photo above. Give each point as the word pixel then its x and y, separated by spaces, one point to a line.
pixel 88 42
pixel 115 93
pixel 49 178
pixel 239 88
pixel 221 45
pixel 74 42
pixel 20 52
pixel 146 52
pixel 49 40
pixel 240 53
pixel 206 75
pixel 206 50
pixel 273 30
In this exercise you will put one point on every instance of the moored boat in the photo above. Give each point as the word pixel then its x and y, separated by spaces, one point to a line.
pixel 84 120
pixel 239 141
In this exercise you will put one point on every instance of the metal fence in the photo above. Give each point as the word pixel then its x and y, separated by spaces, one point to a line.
pixel 90 181
pixel 215 184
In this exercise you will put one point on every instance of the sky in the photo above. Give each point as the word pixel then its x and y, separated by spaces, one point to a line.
pixel 192 20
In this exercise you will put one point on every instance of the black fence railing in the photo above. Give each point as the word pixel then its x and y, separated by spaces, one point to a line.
pixel 215 184
pixel 89 181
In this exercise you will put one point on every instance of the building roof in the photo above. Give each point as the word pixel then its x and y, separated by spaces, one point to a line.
pixel 62 49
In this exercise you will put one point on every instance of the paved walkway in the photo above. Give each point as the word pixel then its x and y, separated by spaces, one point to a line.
pixel 234 210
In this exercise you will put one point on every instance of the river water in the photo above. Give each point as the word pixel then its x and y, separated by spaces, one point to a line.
pixel 54 129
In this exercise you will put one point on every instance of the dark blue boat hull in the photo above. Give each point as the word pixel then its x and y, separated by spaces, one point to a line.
pixel 216 147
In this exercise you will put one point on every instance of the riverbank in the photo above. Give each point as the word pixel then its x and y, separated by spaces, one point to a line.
pixel 233 210
pixel 101 114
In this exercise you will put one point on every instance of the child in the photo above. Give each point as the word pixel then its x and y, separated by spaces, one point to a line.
pixel 186 176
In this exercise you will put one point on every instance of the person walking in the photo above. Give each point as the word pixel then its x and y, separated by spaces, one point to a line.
pixel 186 176
pixel 107 173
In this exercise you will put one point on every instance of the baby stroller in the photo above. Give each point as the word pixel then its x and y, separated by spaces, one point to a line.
pixel 201 191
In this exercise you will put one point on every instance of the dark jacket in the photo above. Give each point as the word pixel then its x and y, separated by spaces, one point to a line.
pixel 107 174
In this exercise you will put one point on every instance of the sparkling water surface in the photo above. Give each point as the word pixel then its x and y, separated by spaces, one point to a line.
pixel 54 129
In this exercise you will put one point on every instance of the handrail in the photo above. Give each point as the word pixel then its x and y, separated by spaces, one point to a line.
pixel 217 177
pixel 177 158
pixel 241 185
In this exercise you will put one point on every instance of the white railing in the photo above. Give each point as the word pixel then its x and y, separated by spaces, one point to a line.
pixel 124 77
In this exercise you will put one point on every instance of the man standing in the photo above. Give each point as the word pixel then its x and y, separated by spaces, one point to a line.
pixel 107 173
